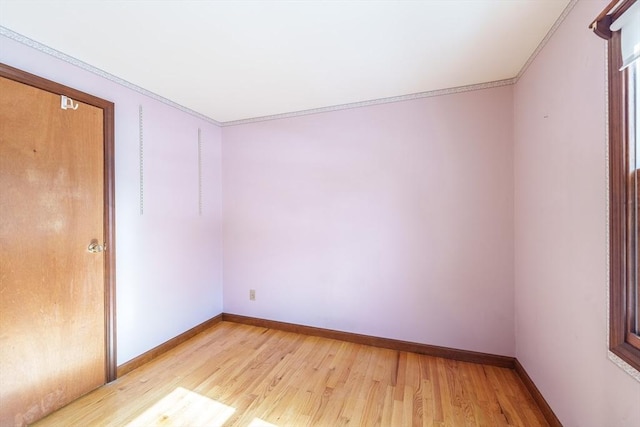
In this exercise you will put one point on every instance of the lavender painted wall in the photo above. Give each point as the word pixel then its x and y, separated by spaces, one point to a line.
pixel 393 220
pixel 561 230
pixel 169 260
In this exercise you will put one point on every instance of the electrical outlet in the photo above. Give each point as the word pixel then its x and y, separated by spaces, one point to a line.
pixel 252 294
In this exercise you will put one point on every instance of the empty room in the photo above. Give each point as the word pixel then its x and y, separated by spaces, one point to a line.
pixel 319 213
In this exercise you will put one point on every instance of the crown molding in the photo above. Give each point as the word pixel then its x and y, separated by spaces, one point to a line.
pixel 379 101
pixel 419 95
pixel 6 32
pixel 546 38
pixel 447 91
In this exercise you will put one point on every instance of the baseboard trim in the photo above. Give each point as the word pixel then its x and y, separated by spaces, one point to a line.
pixel 166 346
pixel 430 350
pixel 548 413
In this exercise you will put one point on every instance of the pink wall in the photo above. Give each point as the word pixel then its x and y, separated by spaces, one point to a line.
pixel 561 230
pixel 169 260
pixel 393 220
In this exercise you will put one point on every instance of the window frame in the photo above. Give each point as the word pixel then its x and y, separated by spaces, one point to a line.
pixel 623 253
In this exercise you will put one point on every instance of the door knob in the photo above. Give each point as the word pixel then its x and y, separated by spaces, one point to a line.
pixel 95 247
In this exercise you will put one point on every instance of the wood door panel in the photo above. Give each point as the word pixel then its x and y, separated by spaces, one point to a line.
pixel 52 343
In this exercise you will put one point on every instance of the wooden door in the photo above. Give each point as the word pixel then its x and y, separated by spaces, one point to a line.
pixel 52 287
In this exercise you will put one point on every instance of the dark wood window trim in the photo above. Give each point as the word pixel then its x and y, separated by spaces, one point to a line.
pixel 623 340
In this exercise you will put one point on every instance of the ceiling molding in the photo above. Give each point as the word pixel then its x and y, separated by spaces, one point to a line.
pixel 81 64
pixel 428 94
pixel 546 38
pixel 448 91
pixel 419 95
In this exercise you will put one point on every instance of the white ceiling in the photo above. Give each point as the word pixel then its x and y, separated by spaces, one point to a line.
pixel 233 60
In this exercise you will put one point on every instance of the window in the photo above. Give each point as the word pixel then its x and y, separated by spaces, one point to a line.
pixel 620 25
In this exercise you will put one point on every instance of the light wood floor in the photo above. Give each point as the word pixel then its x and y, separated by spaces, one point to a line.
pixel 239 375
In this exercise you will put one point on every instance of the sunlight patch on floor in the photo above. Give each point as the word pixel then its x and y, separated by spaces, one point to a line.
pixel 186 408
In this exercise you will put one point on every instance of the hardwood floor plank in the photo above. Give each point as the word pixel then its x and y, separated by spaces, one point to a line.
pixel 241 375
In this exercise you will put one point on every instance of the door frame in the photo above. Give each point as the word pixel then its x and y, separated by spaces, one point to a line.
pixel 109 199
